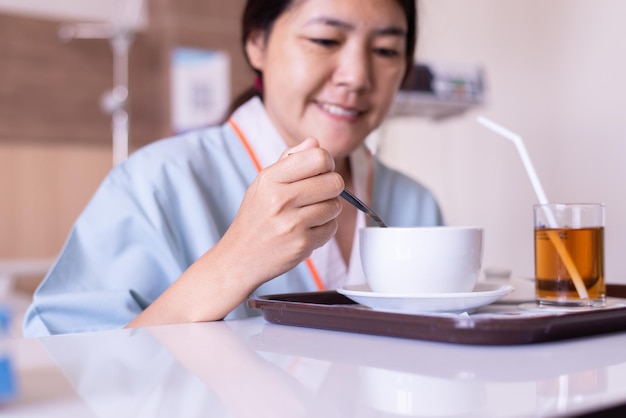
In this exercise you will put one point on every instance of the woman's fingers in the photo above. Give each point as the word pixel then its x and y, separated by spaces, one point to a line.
pixel 288 211
pixel 302 193
pixel 300 162
pixel 322 233
pixel 308 143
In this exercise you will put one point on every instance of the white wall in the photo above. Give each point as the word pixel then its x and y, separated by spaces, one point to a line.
pixel 554 72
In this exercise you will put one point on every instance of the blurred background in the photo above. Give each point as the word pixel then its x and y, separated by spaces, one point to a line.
pixel 79 77
pixel 552 72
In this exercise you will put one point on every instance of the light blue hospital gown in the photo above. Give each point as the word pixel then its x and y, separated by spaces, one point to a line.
pixel 159 211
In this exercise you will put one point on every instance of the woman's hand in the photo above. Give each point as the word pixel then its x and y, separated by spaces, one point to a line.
pixel 289 210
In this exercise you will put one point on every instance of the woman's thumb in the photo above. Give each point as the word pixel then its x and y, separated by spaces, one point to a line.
pixel 308 143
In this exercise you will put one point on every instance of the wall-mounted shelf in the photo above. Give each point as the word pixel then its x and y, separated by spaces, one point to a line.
pixel 439 91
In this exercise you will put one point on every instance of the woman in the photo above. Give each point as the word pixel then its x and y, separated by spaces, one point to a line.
pixel 189 227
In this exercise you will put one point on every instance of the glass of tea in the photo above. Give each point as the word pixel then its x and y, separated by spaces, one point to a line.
pixel 569 254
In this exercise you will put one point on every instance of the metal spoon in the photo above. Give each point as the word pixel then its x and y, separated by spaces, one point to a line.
pixel 357 203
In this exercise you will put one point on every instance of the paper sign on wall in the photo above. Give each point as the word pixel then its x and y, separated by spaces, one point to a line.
pixel 200 84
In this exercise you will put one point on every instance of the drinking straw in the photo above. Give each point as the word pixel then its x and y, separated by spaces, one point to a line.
pixel 541 196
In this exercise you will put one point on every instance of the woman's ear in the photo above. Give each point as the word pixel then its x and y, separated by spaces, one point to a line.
pixel 255 49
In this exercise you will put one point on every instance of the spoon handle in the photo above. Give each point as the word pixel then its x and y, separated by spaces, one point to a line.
pixel 357 203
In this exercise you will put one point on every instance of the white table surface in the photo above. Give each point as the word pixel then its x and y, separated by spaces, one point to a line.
pixel 251 368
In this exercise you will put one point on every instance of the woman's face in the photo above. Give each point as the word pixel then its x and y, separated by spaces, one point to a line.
pixel 331 69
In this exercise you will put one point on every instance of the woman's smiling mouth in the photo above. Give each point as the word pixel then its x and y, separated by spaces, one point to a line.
pixel 340 111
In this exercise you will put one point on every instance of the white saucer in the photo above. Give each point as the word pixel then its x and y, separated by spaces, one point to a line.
pixel 523 289
pixel 483 294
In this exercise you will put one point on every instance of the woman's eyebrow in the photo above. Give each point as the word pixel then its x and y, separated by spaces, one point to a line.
pixel 388 30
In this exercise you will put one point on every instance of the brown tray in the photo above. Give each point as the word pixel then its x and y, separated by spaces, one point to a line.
pixel 333 311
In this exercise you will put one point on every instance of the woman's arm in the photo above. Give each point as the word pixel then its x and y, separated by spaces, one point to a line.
pixel 287 212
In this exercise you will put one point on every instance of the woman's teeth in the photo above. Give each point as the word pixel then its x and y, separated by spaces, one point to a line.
pixel 338 110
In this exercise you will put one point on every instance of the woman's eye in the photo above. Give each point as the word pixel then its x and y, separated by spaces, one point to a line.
pixel 386 52
pixel 324 42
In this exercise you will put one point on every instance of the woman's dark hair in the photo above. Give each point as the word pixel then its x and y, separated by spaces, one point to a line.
pixel 261 15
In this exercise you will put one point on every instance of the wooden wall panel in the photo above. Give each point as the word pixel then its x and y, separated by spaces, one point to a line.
pixel 50 90
pixel 43 188
pixel 149 108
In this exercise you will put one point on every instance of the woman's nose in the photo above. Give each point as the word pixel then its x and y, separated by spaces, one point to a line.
pixel 354 69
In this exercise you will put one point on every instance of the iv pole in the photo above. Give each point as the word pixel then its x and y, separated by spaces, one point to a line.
pixel 120 35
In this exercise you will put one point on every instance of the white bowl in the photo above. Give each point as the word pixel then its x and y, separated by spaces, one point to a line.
pixel 444 259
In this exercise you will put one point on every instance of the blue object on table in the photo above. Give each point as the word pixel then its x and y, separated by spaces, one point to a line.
pixel 8 386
